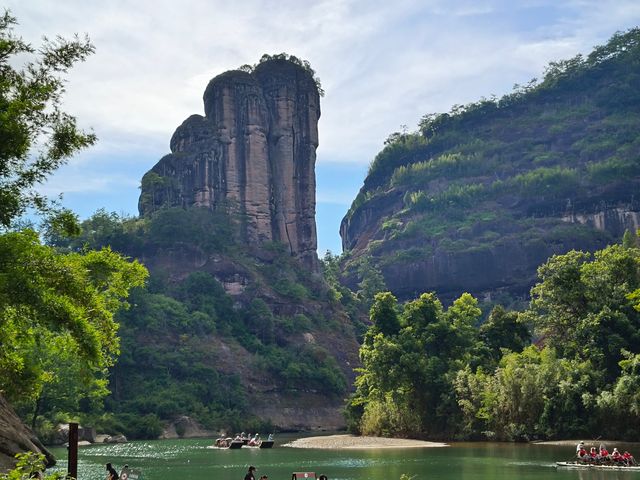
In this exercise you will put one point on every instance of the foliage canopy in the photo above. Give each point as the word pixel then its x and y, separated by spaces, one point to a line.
pixel 36 136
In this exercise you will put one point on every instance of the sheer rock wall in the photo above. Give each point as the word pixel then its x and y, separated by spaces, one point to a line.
pixel 253 153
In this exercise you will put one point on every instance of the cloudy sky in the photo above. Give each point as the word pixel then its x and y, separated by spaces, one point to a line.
pixel 383 64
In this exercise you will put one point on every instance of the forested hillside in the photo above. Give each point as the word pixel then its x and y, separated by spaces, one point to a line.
pixel 477 198
pixel 237 340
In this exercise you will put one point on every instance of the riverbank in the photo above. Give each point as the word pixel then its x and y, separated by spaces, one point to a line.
pixel 351 442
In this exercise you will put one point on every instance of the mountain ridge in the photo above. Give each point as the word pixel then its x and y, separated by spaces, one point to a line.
pixel 478 197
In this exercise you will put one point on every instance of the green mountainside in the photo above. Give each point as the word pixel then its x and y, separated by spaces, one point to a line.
pixel 236 338
pixel 478 197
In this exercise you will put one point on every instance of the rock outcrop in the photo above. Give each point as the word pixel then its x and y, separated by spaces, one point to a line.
pixel 252 154
pixel 15 437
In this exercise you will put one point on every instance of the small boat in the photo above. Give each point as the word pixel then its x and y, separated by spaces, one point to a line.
pixel 594 466
pixel 266 444
pixel 235 444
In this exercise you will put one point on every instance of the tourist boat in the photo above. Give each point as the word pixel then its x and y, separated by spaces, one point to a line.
pixel 226 443
pixel 262 444
pixel 593 466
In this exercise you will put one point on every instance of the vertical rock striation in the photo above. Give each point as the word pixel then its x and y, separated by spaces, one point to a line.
pixel 252 154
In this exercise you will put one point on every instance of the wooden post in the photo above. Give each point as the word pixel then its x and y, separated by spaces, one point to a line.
pixel 72 469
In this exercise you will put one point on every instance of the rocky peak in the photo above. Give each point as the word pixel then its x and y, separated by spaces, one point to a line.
pixel 253 154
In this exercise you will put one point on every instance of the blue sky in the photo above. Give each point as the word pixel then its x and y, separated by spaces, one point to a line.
pixel 382 64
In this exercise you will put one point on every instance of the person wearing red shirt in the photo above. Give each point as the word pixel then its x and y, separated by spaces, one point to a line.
pixel 604 453
pixel 628 458
pixel 582 454
pixel 616 456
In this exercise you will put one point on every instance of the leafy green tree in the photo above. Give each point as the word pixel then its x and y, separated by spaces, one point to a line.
pixel 583 305
pixel 533 394
pixel 36 136
pixel 405 386
pixel 620 405
pixel 503 330
pixel 384 313
pixel 45 296
pixel 371 281
pixel 629 240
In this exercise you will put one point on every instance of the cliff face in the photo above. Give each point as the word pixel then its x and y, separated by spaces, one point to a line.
pixel 488 271
pixel 478 198
pixel 252 154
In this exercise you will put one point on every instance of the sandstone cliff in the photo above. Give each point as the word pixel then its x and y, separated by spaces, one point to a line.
pixel 15 437
pixel 252 154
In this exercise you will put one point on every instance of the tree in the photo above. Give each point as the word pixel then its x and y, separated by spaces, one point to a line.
pixel 372 280
pixel 629 240
pixel 405 385
pixel 504 330
pixel 533 394
pixel 584 307
pixel 622 402
pixel 36 136
pixel 45 296
pixel 383 313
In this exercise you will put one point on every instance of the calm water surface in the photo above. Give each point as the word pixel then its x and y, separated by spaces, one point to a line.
pixel 192 460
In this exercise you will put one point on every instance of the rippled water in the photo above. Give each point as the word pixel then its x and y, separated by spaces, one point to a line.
pixel 192 460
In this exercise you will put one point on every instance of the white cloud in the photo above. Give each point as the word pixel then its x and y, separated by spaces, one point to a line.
pixel 382 63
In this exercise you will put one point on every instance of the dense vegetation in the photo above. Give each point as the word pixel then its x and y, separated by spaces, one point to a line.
pixel 442 373
pixel 187 347
pixel 508 171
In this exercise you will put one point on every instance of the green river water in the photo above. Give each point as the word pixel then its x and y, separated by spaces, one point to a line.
pixel 190 459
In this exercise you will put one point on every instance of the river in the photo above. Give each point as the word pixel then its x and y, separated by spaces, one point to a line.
pixel 190 459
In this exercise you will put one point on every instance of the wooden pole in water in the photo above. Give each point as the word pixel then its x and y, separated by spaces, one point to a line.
pixel 72 468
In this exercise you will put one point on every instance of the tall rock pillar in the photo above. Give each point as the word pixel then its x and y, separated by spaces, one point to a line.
pixel 253 154
pixel 293 103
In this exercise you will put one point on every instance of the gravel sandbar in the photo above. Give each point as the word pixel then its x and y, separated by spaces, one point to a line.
pixel 353 442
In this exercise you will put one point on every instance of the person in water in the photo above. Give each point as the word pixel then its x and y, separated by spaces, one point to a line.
pixel 249 475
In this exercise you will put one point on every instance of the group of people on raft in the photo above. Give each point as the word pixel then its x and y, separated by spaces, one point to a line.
pixel 246 439
pixel 601 456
